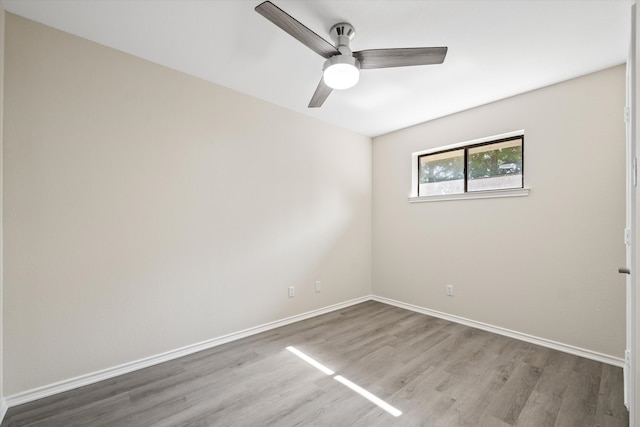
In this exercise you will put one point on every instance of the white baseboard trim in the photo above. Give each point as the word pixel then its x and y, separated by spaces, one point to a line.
pixel 94 377
pixel 577 351
pixel 3 409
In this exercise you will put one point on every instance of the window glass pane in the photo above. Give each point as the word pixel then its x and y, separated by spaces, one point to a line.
pixel 441 173
pixel 495 166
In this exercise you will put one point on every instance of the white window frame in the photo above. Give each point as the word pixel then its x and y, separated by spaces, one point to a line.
pixel 511 192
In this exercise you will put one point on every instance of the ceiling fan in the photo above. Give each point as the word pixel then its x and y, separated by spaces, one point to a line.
pixel 342 68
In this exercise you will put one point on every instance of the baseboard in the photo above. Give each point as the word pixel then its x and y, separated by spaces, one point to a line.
pixel 577 351
pixel 91 378
pixel 3 409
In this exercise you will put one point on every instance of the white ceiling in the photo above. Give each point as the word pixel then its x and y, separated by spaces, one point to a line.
pixel 497 49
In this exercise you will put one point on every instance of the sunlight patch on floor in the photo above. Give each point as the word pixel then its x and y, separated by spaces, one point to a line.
pixel 311 361
pixel 342 380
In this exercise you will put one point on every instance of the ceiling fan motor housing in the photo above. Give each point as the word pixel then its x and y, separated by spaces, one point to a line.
pixel 342 34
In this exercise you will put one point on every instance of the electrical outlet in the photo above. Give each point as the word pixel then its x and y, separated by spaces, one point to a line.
pixel 318 286
pixel 292 291
pixel 450 290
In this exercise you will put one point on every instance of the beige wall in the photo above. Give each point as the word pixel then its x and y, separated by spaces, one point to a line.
pixel 146 210
pixel 544 265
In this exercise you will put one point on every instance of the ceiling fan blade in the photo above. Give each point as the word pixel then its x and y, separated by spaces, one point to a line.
pixel 320 95
pixel 289 24
pixel 400 57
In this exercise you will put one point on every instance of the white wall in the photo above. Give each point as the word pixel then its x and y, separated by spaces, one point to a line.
pixel 543 265
pixel 146 210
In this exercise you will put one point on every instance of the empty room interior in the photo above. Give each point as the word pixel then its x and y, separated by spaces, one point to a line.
pixel 198 228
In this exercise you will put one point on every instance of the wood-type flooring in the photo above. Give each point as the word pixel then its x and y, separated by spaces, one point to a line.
pixel 437 373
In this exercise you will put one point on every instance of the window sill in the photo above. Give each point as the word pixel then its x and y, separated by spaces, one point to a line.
pixel 491 194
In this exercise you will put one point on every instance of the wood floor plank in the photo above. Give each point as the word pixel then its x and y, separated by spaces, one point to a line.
pixel 611 409
pixel 438 373
pixel 512 397
pixel 543 405
pixel 541 410
pixel 419 400
pixel 470 404
pixel 580 400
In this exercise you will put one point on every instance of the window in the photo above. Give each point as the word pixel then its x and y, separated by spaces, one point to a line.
pixel 442 173
pixel 489 165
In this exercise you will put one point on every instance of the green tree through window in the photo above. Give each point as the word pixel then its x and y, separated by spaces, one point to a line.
pixel 492 165
pixel 447 166
pixel 495 159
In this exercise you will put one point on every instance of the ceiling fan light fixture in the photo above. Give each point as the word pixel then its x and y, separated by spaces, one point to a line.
pixel 341 72
pixel 342 68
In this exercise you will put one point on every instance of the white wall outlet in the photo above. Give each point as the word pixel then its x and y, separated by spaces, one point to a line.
pixel 450 290
pixel 318 286
pixel 292 291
